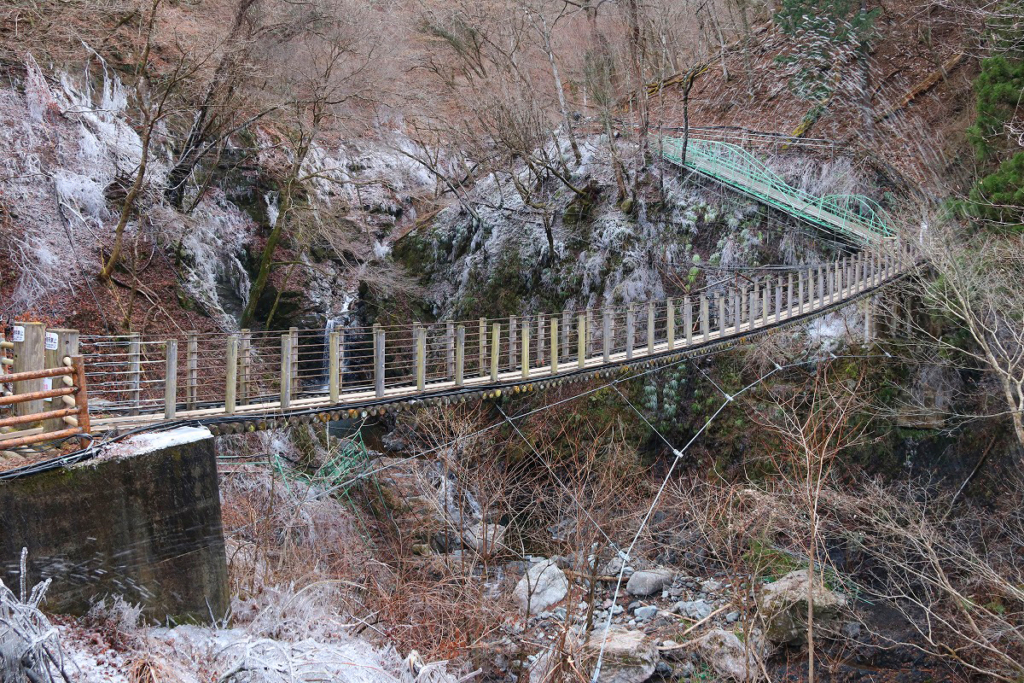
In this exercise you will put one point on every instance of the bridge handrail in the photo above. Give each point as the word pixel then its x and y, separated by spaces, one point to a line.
pixel 713 156
pixel 135 378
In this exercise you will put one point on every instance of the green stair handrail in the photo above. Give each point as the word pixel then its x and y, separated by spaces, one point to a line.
pixel 856 216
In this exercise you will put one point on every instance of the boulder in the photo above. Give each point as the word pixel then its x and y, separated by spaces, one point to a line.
pixel 543 585
pixel 783 607
pixel 486 539
pixel 629 656
pixel 728 656
pixel 649 581
pixel 695 609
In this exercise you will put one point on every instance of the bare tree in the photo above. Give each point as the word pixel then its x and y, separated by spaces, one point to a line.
pixel 973 301
pixel 814 426
pixel 329 71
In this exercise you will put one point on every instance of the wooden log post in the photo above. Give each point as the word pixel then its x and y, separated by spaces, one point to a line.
pixel 630 332
pixel 81 399
pixel 789 295
pixel 60 345
pixel 231 376
pixel 581 341
pixel 379 341
pixel 286 371
pixel 721 314
pixel 670 323
pixel 245 368
pixel 554 345
pixel 840 272
pixel 496 349
pixel 171 379
pixel 191 369
pixel 460 356
pixel 29 355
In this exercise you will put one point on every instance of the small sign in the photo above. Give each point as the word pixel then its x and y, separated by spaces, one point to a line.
pixel 48 386
pixel 18 333
pixel 50 342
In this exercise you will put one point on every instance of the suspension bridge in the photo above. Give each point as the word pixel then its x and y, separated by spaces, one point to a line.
pixel 264 379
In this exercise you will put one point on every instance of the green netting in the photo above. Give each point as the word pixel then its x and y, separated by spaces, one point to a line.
pixel 350 459
pixel 853 216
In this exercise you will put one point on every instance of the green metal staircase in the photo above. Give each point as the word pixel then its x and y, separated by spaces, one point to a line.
pixel 853 216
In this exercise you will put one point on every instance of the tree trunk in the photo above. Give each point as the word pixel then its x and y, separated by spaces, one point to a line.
pixel 267 258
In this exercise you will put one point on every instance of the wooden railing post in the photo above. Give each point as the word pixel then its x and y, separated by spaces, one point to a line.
pixel 135 372
pixel 789 295
pixel 379 340
pixel 482 346
pixel 590 332
pixel 821 287
pixel 566 321
pixel 720 298
pixel 778 298
pixel 419 335
pixel 705 323
pixel 554 345
pixel 650 328
pixel 28 339
pixel 495 350
pixel 736 311
pixel 449 349
pixel 294 333
pixel 606 335
pixel 670 323
pixel 512 332
pixel 630 332
pixel 688 320
pixel 231 378
pixel 540 340
pixel 460 355
pixel 581 341
pixel 171 379
pixel 766 302
pixel 525 348
pixel 245 371
pixel 800 293
pixel 286 371
pixel 191 369
pixel 334 367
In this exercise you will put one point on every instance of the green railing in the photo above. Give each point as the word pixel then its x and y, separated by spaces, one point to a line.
pixel 854 216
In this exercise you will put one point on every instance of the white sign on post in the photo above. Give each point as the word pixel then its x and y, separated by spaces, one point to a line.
pixel 50 341
pixel 18 333
pixel 48 386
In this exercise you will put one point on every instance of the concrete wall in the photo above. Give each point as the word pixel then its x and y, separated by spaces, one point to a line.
pixel 143 521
